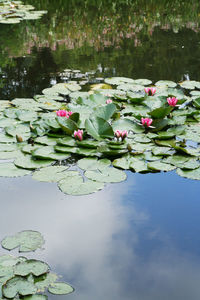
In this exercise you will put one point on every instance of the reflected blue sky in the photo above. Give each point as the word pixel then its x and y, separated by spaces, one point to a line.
pixel 135 240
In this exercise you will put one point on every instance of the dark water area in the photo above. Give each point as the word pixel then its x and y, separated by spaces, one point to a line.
pixel 137 240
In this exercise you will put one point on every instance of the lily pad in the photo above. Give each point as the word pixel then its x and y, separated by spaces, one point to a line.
pixel 77 187
pixel 191 174
pixel 106 175
pixel 31 266
pixel 53 173
pixel 93 163
pixel 160 166
pixel 118 80
pixel 27 162
pixel 60 288
pixel 166 83
pixel 18 285
pixel 27 241
pixel 10 170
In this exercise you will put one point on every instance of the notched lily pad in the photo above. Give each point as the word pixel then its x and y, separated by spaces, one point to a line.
pixel 31 266
pixel 18 285
pixel 27 241
pixel 60 288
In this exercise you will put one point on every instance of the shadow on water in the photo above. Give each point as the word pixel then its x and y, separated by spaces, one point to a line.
pixel 137 240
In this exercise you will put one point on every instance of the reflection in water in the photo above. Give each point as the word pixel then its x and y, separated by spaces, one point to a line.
pixel 140 40
pixel 112 244
pixel 137 240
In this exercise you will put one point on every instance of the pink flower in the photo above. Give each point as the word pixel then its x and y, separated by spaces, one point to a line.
pixel 108 101
pixel 150 91
pixel 172 101
pixel 64 113
pixel 69 113
pixel 146 122
pixel 118 134
pixel 78 134
pixel 124 134
pixel 61 113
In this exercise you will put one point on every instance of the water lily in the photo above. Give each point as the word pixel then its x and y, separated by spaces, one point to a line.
pixel 117 134
pixel 108 101
pixel 124 134
pixel 172 101
pixel 78 134
pixel 69 113
pixel 146 122
pixel 63 113
pixel 150 91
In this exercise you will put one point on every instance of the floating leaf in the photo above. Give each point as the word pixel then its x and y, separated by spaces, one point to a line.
pixel 118 80
pixel 76 186
pixel 27 240
pixel 99 128
pixel 31 266
pixel 191 174
pixel 60 288
pixel 160 166
pixel 53 173
pixel 106 175
pixel 27 162
pixel 18 285
pixel 10 170
pixel 166 83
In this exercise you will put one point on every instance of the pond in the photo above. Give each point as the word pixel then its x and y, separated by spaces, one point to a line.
pixel 138 239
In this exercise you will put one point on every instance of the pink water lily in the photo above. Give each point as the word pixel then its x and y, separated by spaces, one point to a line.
pixel 78 134
pixel 69 113
pixel 117 134
pixel 123 134
pixel 108 101
pixel 150 91
pixel 172 101
pixel 146 122
pixel 64 113
pixel 61 113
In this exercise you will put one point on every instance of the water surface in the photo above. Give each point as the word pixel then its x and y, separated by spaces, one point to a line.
pixel 137 240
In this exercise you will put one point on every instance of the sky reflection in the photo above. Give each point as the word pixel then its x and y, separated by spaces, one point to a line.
pixel 119 243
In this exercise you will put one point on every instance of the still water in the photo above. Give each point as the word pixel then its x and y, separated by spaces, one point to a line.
pixel 137 240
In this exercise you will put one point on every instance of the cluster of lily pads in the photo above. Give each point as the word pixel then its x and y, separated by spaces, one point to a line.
pixel 80 139
pixel 12 12
pixel 25 278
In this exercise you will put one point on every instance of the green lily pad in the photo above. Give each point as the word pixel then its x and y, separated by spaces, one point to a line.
pixel 27 241
pixel 18 285
pixel 166 83
pixel 43 281
pixel 31 266
pixel 53 174
pixel 93 163
pixel 27 162
pixel 143 81
pixel 99 128
pixel 105 112
pixel 160 166
pixel 10 170
pixel 47 152
pixel 191 174
pixel 106 175
pixel 60 288
pixel 118 80
pixel 138 165
pixel 77 187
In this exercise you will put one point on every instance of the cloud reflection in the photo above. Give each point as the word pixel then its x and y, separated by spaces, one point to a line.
pixel 94 240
